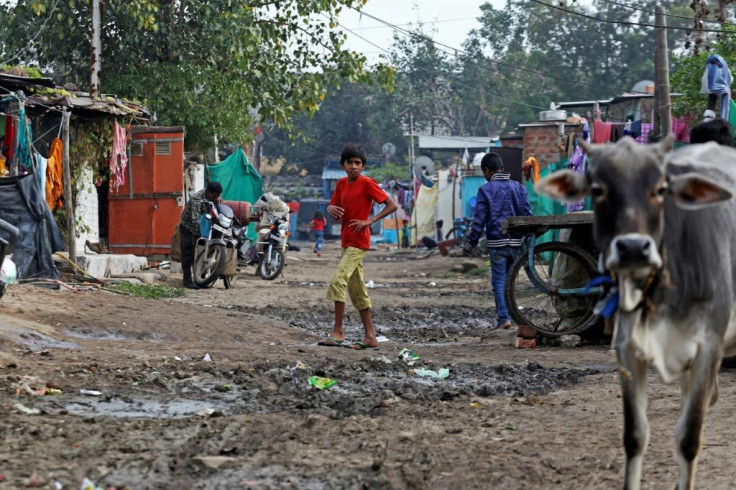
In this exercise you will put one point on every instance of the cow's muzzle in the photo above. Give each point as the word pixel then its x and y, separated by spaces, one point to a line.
pixel 633 251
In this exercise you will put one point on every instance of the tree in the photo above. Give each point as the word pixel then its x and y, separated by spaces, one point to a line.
pixel 216 66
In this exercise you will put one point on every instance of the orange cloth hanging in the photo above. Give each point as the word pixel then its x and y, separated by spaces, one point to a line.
pixel 533 164
pixel 54 172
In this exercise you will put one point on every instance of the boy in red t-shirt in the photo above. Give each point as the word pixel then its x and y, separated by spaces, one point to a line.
pixel 352 204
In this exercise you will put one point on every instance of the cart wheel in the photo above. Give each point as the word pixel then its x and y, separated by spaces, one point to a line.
pixel 559 266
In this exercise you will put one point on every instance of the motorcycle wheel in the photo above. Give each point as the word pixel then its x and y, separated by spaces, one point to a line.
pixel 206 270
pixel 269 272
pixel 230 281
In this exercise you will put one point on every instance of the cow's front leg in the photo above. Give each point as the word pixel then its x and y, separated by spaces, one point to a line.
pixel 698 391
pixel 633 377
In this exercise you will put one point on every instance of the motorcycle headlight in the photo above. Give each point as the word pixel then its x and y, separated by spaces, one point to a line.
pixel 283 228
pixel 225 222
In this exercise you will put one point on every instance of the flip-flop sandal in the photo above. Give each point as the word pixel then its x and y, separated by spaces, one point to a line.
pixel 331 342
pixel 359 346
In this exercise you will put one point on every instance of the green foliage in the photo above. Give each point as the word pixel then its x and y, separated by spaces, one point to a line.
pixel 150 291
pixel 390 171
pixel 688 70
pixel 216 66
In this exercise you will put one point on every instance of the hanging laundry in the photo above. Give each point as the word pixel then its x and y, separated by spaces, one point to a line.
pixel 54 173
pixel 601 131
pixel 681 129
pixel 646 128
pixel 40 173
pixel 119 159
pixel 577 165
pixel 23 144
pixel 636 129
pixel 716 82
pixel 627 128
pixel 9 139
pixel 617 131
pixel 532 164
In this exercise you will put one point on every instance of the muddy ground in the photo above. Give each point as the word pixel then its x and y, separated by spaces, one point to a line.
pixel 166 419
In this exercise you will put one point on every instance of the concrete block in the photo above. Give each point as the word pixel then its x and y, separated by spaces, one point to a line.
pixel 175 267
pixel 106 265
pixel 522 343
pixel 94 265
pixel 123 264
pixel 570 341
pixel 526 332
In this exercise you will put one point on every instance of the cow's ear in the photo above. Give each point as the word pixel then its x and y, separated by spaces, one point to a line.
pixel 666 145
pixel 694 191
pixel 564 186
pixel 588 148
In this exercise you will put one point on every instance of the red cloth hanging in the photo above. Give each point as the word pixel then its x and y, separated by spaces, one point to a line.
pixel 9 140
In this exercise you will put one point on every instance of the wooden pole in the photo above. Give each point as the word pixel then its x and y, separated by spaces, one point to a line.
pixel 68 196
pixel 663 108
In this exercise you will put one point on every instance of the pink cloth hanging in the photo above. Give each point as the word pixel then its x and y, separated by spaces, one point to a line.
pixel 119 158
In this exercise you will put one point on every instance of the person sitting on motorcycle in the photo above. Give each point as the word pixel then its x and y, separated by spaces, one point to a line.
pixel 189 227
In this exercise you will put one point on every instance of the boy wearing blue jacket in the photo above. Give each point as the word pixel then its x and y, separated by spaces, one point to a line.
pixel 497 200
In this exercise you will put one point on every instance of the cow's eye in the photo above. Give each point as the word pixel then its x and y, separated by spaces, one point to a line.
pixel 662 191
pixel 597 191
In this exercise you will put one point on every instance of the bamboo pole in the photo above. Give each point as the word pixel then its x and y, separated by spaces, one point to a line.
pixel 68 196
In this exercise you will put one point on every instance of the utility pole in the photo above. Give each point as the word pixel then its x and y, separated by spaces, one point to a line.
pixel 413 179
pixel 663 113
pixel 68 197
pixel 95 89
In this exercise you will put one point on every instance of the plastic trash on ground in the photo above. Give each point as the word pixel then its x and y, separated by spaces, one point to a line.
pixel 87 484
pixel 321 383
pixel 207 358
pixel 90 392
pixel 443 373
pixel 408 356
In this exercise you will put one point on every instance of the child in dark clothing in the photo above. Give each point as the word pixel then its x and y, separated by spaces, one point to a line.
pixel 498 199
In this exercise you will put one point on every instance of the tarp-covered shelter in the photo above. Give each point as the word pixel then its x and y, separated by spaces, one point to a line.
pixel 239 179
pixel 24 206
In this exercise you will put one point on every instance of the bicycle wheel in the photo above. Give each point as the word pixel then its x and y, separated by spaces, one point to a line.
pixel 558 266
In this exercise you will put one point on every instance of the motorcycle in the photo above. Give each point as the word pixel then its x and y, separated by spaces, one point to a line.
pixel 216 252
pixel 272 242
pixel 8 270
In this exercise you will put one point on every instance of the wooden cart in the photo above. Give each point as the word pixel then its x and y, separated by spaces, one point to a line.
pixel 547 286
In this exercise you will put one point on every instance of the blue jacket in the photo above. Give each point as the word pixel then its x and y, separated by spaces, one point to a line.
pixel 498 199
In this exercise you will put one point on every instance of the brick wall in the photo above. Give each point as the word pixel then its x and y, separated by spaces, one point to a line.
pixel 542 143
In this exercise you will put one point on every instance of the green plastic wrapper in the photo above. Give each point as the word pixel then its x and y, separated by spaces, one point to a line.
pixel 321 383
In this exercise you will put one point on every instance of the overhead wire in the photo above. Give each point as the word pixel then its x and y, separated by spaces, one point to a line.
pixel 489 60
pixel 460 84
pixel 38 33
pixel 674 16
pixel 626 22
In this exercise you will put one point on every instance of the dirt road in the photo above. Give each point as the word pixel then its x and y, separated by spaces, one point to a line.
pixel 166 419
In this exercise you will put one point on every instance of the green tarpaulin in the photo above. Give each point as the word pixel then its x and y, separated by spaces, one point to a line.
pixel 239 179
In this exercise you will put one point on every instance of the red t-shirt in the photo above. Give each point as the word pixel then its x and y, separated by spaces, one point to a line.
pixel 357 198
pixel 319 224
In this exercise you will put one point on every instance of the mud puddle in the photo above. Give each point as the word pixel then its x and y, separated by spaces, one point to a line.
pixel 363 387
pixel 95 333
pixel 398 324
pixel 36 341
